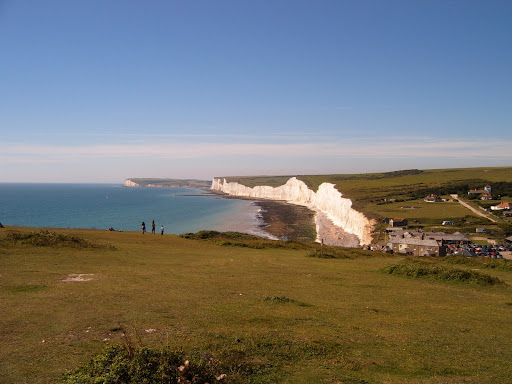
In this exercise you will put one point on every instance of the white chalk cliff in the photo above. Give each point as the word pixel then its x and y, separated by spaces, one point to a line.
pixel 327 200
pixel 129 183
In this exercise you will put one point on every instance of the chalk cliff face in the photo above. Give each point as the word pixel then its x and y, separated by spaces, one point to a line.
pixel 327 200
pixel 129 183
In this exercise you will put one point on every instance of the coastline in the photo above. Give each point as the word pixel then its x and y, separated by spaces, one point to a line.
pixel 282 220
pixel 286 221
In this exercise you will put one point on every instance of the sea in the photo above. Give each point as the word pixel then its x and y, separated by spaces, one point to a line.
pixel 104 206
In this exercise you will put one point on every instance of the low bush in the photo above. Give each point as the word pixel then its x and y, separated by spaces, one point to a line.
pixel 341 253
pixel 501 264
pixel 278 299
pixel 204 235
pixel 120 364
pixel 441 273
pixel 46 238
pixel 237 239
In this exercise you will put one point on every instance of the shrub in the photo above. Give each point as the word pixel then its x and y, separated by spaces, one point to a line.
pixel 119 364
pixel 501 264
pixel 441 273
pixel 278 299
pixel 46 238
pixel 237 239
pixel 341 253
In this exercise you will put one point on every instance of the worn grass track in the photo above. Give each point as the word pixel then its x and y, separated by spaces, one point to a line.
pixel 271 315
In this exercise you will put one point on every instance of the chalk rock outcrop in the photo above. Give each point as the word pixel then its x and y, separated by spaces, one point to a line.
pixel 327 200
pixel 129 183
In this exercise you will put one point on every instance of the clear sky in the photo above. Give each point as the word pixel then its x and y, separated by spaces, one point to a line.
pixel 100 91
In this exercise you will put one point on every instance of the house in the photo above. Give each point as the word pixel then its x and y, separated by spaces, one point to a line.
pixel 485 196
pixel 501 206
pixel 397 222
pixel 447 238
pixel 507 213
pixel 432 198
pixel 480 230
pixel 417 247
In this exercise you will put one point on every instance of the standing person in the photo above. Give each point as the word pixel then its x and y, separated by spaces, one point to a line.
pixel 153 227
pixel 143 226
pixel 162 230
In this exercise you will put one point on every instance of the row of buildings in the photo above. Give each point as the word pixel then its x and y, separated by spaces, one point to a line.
pixel 419 243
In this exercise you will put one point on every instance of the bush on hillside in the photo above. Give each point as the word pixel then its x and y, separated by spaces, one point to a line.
pixel 46 238
pixel 237 239
pixel 341 253
pixel 437 272
pixel 501 264
pixel 120 364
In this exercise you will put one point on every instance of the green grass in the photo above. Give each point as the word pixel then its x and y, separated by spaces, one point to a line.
pixel 425 270
pixel 268 315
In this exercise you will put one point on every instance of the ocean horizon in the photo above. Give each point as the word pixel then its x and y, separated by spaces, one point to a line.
pixel 104 206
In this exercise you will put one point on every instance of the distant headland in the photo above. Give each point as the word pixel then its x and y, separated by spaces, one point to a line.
pixel 167 183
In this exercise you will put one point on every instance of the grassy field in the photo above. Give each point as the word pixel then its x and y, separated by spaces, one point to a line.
pixel 270 315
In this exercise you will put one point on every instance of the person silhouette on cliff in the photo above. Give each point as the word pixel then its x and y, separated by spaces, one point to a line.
pixel 162 230
pixel 143 226
pixel 153 227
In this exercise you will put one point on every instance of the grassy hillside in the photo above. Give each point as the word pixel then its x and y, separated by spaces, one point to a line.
pixel 266 313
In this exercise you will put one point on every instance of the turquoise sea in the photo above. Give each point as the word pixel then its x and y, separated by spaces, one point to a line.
pixel 101 206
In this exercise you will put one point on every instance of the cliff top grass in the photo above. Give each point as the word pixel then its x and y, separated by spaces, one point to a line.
pixel 269 315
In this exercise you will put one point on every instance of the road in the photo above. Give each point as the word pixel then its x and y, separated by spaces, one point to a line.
pixel 476 211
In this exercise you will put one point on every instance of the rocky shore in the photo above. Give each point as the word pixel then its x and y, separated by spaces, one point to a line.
pixel 333 235
pixel 295 222
pixel 287 221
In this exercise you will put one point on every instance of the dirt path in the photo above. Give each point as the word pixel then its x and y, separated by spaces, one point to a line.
pixel 475 211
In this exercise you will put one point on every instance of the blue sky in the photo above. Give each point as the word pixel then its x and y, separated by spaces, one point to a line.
pixel 100 91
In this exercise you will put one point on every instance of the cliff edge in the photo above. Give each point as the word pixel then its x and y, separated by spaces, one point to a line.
pixel 326 202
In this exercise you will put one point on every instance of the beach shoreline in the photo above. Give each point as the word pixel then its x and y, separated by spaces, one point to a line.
pixel 287 221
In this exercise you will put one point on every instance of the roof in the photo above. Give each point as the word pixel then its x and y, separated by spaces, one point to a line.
pixel 457 236
pixel 414 241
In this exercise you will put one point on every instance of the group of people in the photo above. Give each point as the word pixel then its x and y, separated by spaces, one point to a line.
pixel 143 226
